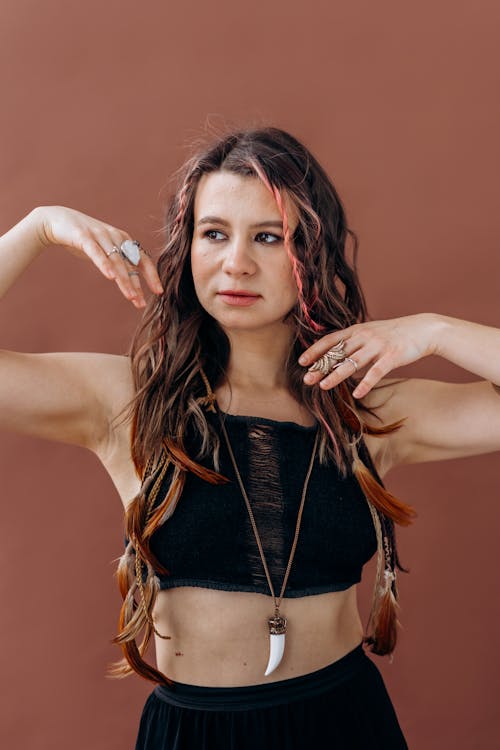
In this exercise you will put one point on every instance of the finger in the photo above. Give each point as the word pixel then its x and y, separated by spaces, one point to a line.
pixel 96 254
pixel 130 289
pixel 150 273
pixel 128 282
pixel 133 275
pixel 373 376
pixel 316 350
pixel 350 347
pixel 145 266
pixel 362 355
pixel 344 370
pixel 126 286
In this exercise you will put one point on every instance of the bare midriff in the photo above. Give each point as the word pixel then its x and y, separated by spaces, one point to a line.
pixel 221 639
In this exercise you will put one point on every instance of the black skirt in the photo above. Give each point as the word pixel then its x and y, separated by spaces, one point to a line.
pixel 343 706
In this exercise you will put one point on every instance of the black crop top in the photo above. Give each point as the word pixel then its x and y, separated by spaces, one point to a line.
pixel 209 540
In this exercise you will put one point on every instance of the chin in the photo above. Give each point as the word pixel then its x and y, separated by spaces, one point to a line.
pixel 235 323
pixel 244 318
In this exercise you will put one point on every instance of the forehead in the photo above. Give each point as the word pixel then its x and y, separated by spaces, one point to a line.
pixel 222 193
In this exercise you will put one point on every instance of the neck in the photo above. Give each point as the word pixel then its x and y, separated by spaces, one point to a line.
pixel 257 363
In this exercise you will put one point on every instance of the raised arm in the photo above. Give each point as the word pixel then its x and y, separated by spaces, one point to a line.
pixel 66 396
pixel 442 420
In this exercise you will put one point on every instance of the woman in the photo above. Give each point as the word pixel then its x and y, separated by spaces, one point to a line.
pixel 251 479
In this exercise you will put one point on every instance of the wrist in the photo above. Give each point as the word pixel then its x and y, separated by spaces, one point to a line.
pixel 438 327
pixel 35 221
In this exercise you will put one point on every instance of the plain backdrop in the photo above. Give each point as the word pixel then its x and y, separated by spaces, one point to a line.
pixel 100 102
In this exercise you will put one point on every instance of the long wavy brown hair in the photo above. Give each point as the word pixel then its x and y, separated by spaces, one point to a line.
pixel 180 353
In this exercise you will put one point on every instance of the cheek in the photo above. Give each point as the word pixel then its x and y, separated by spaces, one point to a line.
pixel 288 280
pixel 198 266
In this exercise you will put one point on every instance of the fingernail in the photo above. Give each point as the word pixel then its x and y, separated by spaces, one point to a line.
pixel 302 360
pixel 308 378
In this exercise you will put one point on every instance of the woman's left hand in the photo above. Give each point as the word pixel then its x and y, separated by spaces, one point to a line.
pixel 383 344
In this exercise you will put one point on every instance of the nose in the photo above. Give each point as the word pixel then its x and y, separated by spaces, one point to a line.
pixel 238 259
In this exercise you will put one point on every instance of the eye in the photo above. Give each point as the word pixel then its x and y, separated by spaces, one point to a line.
pixel 276 237
pixel 211 231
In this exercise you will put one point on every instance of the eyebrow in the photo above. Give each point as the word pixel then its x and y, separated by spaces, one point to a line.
pixel 218 220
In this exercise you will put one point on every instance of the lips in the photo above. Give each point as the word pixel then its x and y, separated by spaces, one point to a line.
pixel 238 298
pixel 236 293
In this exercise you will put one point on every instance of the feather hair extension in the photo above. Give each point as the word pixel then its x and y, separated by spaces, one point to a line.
pixel 383 623
pixel 387 503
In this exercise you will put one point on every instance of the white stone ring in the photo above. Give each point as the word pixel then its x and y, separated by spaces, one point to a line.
pixel 131 250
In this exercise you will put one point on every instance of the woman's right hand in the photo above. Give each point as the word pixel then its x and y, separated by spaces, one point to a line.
pixel 90 239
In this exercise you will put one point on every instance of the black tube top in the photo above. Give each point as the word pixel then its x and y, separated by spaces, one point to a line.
pixel 209 541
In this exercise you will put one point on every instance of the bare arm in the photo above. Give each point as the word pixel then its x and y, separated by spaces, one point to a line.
pixel 65 396
pixel 442 420
pixel 83 236
pixel 451 420
pixel 62 396
pixel 18 249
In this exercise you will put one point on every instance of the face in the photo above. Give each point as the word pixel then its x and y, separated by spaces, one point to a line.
pixel 238 246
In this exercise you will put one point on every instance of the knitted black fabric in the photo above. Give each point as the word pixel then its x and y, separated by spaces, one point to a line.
pixel 209 540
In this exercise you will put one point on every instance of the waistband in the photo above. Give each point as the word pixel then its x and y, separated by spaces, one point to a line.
pixel 265 694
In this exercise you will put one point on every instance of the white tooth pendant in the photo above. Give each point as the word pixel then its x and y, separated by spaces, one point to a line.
pixel 277 630
pixel 131 250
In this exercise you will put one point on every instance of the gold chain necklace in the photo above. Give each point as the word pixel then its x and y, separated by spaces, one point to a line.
pixel 277 623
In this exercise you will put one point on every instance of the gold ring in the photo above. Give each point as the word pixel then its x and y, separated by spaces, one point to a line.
pixel 330 360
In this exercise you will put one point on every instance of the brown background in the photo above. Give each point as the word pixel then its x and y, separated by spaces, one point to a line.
pixel 400 103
